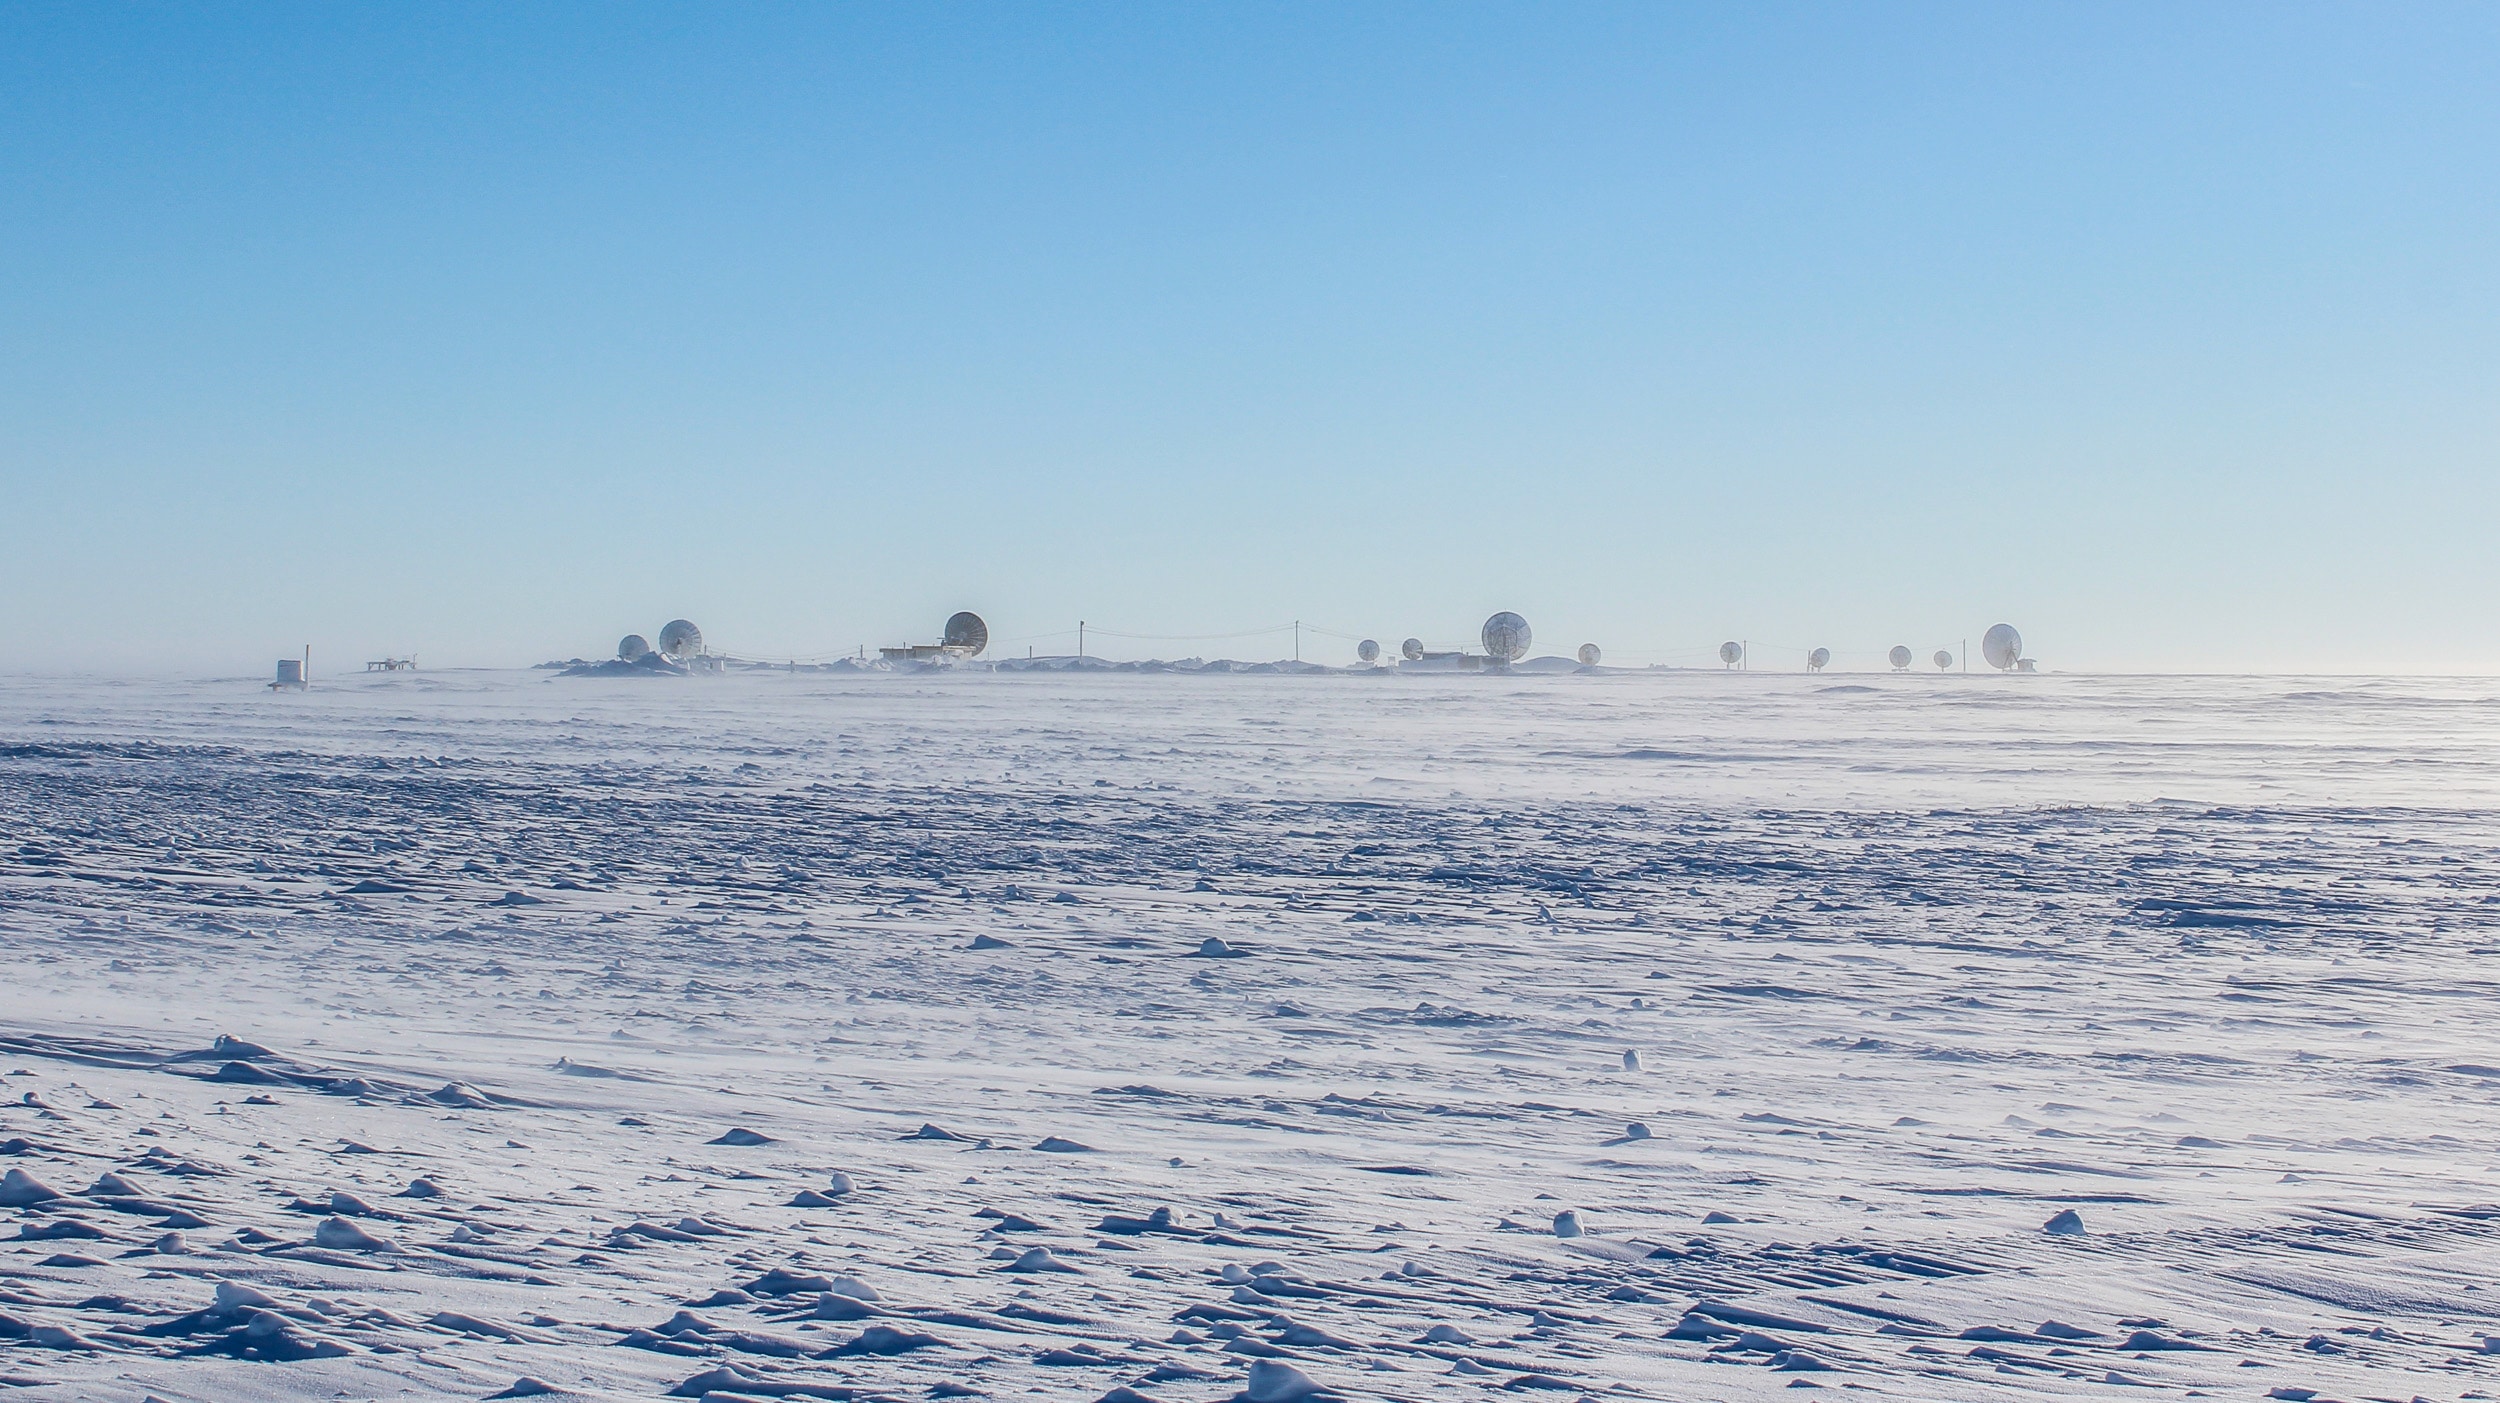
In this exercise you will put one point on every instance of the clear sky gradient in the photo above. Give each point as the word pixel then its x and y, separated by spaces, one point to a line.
pixel 2169 332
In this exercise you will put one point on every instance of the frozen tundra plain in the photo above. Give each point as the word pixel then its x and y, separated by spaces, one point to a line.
pixel 1651 1036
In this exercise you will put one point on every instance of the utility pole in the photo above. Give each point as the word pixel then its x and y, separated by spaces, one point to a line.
pixel 1080 638
pixel 1297 640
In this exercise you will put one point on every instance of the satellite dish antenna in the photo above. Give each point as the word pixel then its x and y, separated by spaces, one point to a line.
pixel 2003 647
pixel 1942 660
pixel 967 634
pixel 634 648
pixel 1819 659
pixel 1412 650
pixel 1731 653
pixel 681 639
pixel 1368 650
pixel 1506 637
pixel 1589 654
pixel 1900 658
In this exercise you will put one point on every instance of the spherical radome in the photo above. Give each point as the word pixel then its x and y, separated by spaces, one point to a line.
pixel 1368 650
pixel 1589 654
pixel 1731 653
pixel 1819 659
pixel 1506 636
pixel 2002 647
pixel 1943 659
pixel 634 648
pixel 681 639
pixel 967 632
pixel 1900 655
pixel 1412 650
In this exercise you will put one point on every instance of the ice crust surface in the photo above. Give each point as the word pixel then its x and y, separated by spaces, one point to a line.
pixel 1185 1038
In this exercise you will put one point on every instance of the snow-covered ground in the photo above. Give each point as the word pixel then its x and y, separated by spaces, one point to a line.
pixel 1050 1035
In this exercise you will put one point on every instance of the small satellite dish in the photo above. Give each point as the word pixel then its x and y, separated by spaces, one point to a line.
pixel 1412 650
pixel 634 648
pixel 1589 654
pixel 1900 658
pixel 1942 660
pixel 1368 650
pixel 1506 636
pixel 2003 647
pixel 1731 653
pixel 681 639
pixel 1819 659
pixel 967 634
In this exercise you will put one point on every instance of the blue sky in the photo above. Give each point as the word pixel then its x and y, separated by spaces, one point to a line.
pixel 2168 332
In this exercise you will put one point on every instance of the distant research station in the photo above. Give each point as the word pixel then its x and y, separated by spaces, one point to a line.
pixel 1502 646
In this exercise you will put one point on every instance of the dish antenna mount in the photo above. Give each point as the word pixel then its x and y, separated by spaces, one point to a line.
pixel 1819 659
pixel 967 634
pixel 1731 653
pixel 1412 650
pixel 1368 650
pixel 2003 647
pixel 1506 637
pixel 633 648
pixel 1589 654
pixel 681 640
pixel 1900 656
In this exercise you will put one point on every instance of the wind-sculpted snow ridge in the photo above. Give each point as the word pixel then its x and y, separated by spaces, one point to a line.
pixel 1000 1037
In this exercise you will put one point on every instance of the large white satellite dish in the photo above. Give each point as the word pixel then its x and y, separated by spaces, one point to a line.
pixel 1412 650
pixel 681 639
pixel 1942 660
pixel 967 634
pixel 1900 656
pixel 1368 650
pixel 634 648
pixel 1819 659
pixel 1506 637
pixel 1731 653
pixel 1589 654
pixel 2002 647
